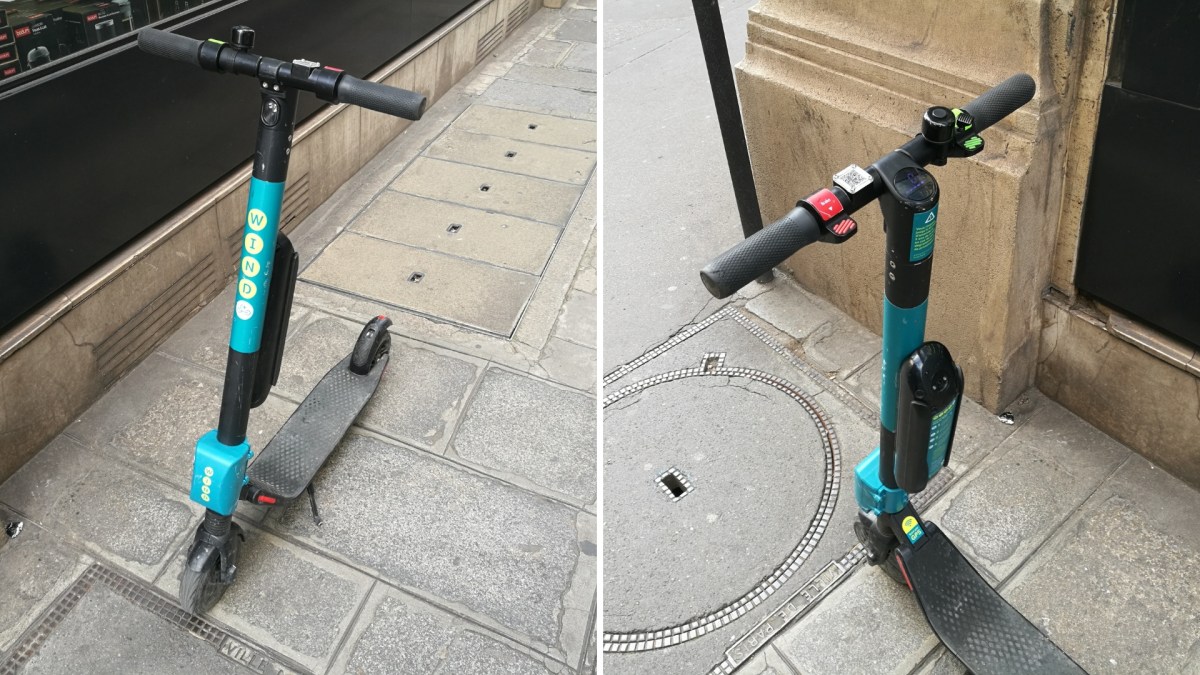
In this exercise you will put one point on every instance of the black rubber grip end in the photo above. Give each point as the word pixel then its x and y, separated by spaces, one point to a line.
pixel 381 98
pixel 169 45
pixel 756 255
pixel 1001 101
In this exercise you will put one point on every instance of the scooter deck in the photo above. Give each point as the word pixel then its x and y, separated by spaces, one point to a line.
pixel 977 625
pixel 287 465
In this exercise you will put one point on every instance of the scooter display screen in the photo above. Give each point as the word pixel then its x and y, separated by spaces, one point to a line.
pixel 914 184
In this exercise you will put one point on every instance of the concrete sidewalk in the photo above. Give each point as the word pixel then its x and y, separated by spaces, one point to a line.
pixel 459 519
pixel 732 428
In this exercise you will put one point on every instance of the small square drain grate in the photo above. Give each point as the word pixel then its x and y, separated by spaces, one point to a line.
pixel 674 484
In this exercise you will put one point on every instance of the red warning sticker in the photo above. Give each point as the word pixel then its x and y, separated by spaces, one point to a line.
pixel 826 203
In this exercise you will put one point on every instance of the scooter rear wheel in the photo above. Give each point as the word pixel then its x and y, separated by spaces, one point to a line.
pixel 372 344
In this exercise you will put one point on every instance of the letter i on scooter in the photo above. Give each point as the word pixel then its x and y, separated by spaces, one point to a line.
pixel 922 387
pixel 223 473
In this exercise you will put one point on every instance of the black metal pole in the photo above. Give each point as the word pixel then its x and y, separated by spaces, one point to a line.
pixel 729 115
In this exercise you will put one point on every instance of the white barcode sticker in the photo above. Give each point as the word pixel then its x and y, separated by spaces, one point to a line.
pixel 852 178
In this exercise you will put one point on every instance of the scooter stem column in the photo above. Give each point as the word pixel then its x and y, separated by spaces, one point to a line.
pixel 909 206
pixel 276 122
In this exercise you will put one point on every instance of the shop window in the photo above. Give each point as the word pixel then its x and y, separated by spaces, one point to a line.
pixel 35 33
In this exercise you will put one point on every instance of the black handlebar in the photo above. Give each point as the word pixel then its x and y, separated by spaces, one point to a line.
pixel 169 46
pixel 1001 101
pixel 749 259
pixel 330 84
pixel 760 252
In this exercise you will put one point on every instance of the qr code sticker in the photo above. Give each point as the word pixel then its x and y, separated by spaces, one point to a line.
pixel 852 178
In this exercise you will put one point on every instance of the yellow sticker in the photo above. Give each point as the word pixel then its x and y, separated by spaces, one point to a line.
pixel 206 480
pixel 208 471
pixel 256 219
pixel 254 244
pixel 205 489
pixel 247 289
pixel 908 524
pixel 204 497
pixel 250 266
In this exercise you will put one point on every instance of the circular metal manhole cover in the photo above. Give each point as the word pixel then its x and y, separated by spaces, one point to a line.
pixel 762 469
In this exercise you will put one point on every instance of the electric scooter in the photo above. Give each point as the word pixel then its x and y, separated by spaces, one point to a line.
pixel 222 473
pixel 922 386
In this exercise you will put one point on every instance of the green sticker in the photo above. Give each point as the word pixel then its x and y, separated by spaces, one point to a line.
pixel 923 230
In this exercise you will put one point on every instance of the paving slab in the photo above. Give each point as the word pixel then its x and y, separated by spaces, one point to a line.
pixel 105 633
pixel 425 524
pixel 154 415
pixel 576 30
pixel 398 632
pixel 508 154
pixel 768 662
pixel 42 481
pixel 568 363
pixel 1007 507
pixel 554 77
pixel 69 490
pixel 275 579
pixel 489 189
pixel 869 624
pixel 479 296
pixel 495 238
pixel 1117 587
pixel 582 57
pixel 565 101
pixel 577 319
pixel 546 52
pixel 34 569
pixel 531 428
pixel 529 126
pixel 422 394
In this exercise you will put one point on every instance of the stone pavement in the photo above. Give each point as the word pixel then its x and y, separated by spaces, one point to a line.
pixel 1085 537
pixel 459 517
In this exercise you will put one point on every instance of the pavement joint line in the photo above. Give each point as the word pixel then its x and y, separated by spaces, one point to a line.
pixel 538 143
pixel 143 597
pixel 453 256
pixel 560 226
pixel 344 639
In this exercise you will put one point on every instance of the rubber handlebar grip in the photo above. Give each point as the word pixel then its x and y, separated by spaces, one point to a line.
pixel 760 252
pixel 1001 101
pixel 381 98
pixel 169 45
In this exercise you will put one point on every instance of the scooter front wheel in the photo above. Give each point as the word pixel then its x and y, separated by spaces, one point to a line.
pixel 885 561
pixel 209 569
pixel 373 343
pixel 199 590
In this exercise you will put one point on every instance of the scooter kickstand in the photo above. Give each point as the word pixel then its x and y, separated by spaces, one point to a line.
pixel 312 501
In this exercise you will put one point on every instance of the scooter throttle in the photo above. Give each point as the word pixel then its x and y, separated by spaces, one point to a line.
pixel 757 254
